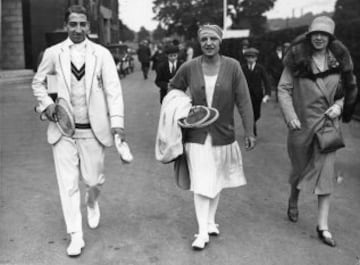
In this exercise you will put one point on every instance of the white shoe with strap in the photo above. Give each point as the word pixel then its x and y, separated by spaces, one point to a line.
pixel 76 244
pixel 200 242
pixel 213 229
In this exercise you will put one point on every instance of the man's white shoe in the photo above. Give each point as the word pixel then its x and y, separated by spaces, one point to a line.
pixel 123 149
pixel 93 215
pixel 76 245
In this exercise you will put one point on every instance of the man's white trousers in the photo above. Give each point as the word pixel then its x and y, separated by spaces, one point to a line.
pixel 76 159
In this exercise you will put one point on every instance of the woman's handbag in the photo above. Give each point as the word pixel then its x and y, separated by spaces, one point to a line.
pixel 329 137
pixel 182 175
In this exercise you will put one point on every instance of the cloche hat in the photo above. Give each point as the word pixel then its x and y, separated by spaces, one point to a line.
pixel 322 24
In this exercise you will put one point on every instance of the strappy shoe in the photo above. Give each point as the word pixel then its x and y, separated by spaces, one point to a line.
pixel 327 240
pixel 213 229
pixel 293 213
pixel 200 242
pixel 76 245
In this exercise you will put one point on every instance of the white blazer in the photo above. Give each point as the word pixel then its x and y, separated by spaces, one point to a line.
pixel 103 90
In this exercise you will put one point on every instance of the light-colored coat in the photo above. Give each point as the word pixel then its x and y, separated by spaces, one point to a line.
pixel 304 99
pixel 169 142
pixel 103 90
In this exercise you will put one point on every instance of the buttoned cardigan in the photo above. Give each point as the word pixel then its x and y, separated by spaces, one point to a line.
pixel 230 89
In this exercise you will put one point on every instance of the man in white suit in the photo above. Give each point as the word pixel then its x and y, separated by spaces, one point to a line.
pixel 85 75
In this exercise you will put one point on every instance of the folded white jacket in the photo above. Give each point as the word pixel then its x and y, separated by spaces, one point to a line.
pixel 168 146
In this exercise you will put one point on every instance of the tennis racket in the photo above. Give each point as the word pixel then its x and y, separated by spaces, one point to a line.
pixel 63 117
pixel 197 115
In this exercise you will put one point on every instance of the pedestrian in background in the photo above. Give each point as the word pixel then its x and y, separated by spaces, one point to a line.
pixel 158 57
pixel 244 46
pixel 144 57
pixel 275 66
pixel 98 111
pixel 258 82
pixel 189 51
pixel 213 155
pixel 167 69
pixel 317 75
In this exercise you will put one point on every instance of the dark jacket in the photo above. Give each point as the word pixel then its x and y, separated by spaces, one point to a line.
pixel 275 67
pixel 298 59
pixel 230 90
pixel 144 54
pixel 257 80
pixel 157 59
pixel 163 74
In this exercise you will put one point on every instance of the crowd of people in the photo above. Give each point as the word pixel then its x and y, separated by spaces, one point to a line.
pixel 315 85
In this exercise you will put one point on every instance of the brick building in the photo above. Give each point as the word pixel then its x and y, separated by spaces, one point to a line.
pixel 29 26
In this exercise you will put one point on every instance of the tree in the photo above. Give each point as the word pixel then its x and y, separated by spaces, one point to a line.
pixel 184 16
pixel 125 33
pixel 143 34
pixel 249 14
pixel 346 10
pixel 159 33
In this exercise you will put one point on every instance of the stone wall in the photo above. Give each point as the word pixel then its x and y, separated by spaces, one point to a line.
pixel 13 56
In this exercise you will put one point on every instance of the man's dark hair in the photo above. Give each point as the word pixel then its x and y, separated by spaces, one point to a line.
pixel 175 42
pixel 79 9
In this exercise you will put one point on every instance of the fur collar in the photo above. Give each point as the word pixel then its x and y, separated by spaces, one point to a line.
pixel 298 58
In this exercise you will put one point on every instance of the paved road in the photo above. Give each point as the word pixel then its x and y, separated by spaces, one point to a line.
pixel 146 219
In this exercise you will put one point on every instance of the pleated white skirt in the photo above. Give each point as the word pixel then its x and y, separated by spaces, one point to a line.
pixel 213 168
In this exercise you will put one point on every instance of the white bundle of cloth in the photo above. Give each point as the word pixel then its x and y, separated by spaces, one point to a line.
pixel 169 144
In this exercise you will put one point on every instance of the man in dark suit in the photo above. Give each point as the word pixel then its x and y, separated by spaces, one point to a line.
pixel 167 69
pixel 244 47
pixel 257 80
pixel 144 57
pixel 275 66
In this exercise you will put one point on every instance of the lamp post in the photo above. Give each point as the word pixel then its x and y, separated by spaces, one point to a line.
pixel 224 13
pixel 0 35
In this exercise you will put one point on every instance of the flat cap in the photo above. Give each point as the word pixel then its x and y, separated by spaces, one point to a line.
pixel 251 52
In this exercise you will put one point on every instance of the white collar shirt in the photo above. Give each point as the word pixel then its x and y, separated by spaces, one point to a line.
pixel 251 66
pixel 172 66
pixel 77 52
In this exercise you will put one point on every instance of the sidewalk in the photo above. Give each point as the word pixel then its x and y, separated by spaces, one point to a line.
pixel 146 219
pixel 21 75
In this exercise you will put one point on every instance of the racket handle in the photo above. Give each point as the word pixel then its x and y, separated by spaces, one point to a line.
pixel 43 116
pixel 42 113
pixel 37 109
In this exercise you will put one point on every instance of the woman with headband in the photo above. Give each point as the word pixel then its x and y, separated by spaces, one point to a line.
pixel 213 155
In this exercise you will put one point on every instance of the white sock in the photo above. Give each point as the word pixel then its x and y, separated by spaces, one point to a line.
pixel 202 205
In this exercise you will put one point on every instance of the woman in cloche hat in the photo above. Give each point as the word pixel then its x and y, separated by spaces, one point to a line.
pixel 213 156
pixel 310 94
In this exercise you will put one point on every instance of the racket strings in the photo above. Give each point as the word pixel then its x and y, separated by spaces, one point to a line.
pixel 64 118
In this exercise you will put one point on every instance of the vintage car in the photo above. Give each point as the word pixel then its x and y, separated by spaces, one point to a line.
pixel 123 59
